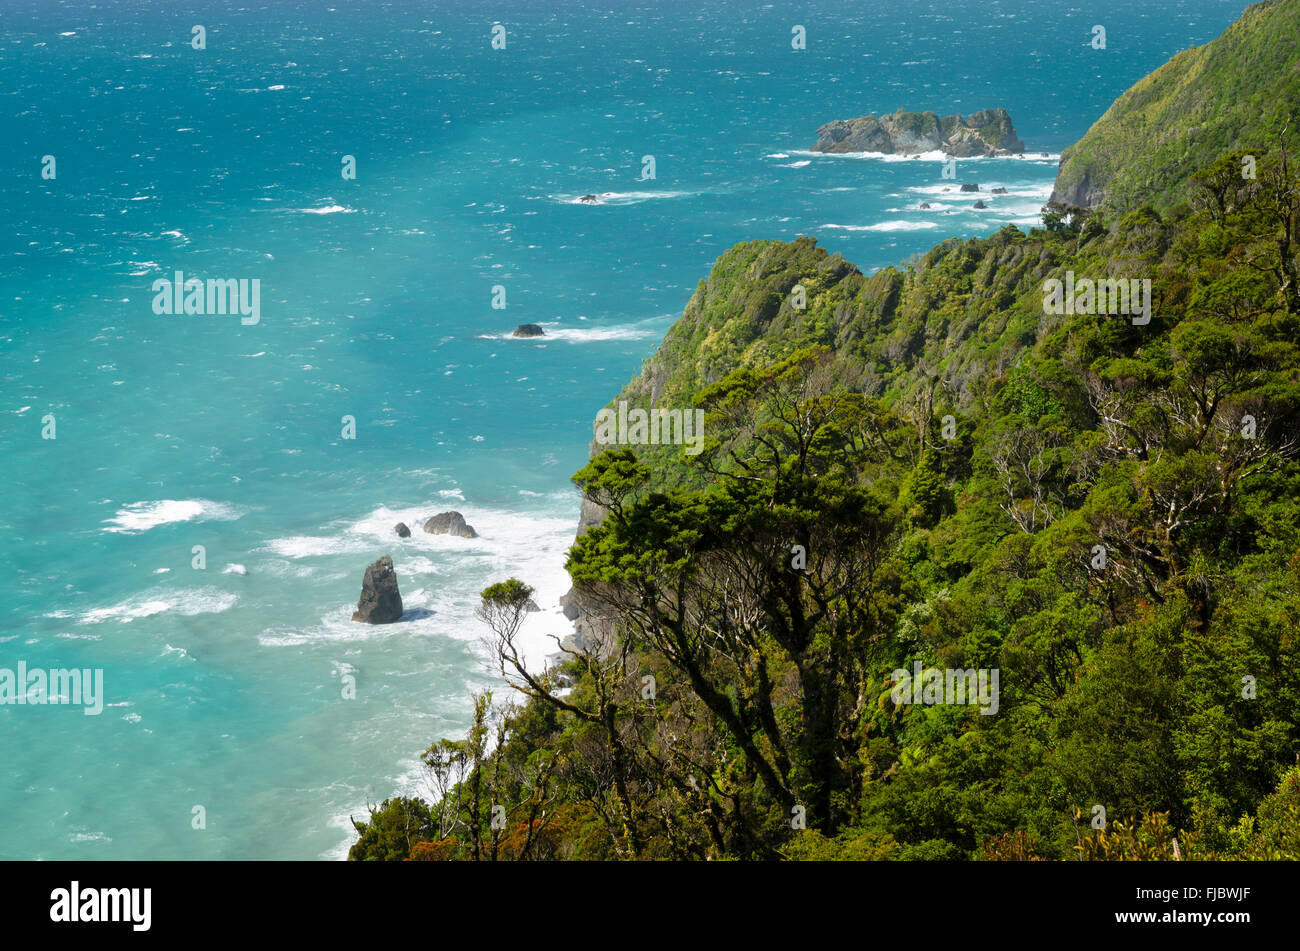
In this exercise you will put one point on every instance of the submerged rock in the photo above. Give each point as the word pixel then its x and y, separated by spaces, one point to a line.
pixel 402 530
pixel 999 190
pixel 925 206
pixel 449 523
pixel 979 205
pixel 380 602
pixel 529 330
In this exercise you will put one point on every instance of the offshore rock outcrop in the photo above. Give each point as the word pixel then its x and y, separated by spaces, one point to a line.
pixel 987 132
pixel 380 602
pixel 449 523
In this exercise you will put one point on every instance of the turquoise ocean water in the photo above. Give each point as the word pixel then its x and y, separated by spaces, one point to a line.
pixel 223 685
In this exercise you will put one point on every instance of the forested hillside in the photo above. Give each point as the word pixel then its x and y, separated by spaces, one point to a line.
pixel 923 467
pixel 1237 92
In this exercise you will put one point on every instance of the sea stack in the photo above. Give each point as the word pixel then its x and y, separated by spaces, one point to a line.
pixel 450 523
pixel 528 330
pixel 380 602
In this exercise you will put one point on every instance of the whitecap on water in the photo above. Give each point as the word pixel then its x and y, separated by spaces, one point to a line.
pixel 327 210
pixel 183 602
pixel 887 226
pixel 620 198
pixel 142 516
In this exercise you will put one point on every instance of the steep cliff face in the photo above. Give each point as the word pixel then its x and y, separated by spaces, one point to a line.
pixel 963 309
pixel 963 312
pixel 1236 92
pixel 590 626
pixel 988 132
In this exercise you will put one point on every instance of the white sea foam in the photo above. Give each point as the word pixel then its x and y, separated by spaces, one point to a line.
pixel 184 602
pixel 952 190
pixel 554 330
pixel 142 516
pixel 80 837
pixel 888 226
pixel 529 545
pixel 306 546
pixel 937 155
pixel 327 210
pixel 621 198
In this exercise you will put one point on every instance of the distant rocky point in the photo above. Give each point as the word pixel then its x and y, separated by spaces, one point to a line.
pixel 529 330
pixel 988 132
pixel 449 523
pixel 380 602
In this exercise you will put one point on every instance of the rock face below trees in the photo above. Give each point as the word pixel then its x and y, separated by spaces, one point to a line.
pixel 449 523
pixel 380 602
pixel 988 132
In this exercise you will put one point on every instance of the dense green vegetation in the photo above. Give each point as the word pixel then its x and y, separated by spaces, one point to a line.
pixel 1236 92
pixel 921 466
